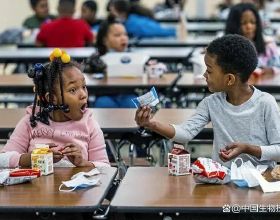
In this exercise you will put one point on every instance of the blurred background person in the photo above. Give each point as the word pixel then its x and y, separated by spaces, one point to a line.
pixel 169 9
pixel 65 31
pixel 41 14
pixel 138 20
pixel 244 20
pixel 111 37
pixel 88 13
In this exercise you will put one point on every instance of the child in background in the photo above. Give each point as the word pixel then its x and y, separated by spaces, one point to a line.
pixel 136 23
pixel 88 13
pixel 41 10
pixel 245 120
pixel 65 31
pixel 112 37
pixel 59 117
pixel 244 19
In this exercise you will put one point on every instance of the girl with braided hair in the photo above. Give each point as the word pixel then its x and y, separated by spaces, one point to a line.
pixel 59 117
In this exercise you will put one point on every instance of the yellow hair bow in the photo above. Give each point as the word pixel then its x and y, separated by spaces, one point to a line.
pixel 58 53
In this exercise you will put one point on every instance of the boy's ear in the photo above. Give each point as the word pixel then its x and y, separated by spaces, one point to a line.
pixel 231 79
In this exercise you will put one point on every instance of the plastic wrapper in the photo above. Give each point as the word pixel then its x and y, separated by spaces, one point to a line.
pixel 205 170
pixel 17 176
pixel 275 173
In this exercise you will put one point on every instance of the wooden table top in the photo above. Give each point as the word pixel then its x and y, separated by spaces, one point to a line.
pixel 42 194
pixel 151 189
pixel 107 118
pixel 113 122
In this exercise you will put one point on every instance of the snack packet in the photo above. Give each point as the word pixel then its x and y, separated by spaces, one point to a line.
pixel 17 176
pixel 206 170
pixel 150 99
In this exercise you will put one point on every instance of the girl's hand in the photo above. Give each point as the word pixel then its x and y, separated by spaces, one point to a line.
pixel 232 150
pixel 73 153
pixel 143 116
pixel 57 155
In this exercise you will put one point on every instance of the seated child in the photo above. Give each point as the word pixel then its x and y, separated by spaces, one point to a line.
pixel 112 37
pixel 59 117
pixel 244 19
pixel 41 14
pixel 88 13
pixel 245 120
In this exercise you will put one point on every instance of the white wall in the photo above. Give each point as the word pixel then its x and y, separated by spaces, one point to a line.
pixel 13 12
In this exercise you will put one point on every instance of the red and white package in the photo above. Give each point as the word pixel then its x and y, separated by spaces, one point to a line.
pixel 205 170
pixel 17 176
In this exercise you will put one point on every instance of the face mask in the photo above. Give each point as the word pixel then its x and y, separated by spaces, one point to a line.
pixel 242 175
pixel 81 180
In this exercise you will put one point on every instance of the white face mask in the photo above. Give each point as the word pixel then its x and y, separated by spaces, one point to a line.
pixel 242 175
pixel 81 180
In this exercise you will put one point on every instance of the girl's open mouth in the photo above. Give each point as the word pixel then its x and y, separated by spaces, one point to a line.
pixel 83 108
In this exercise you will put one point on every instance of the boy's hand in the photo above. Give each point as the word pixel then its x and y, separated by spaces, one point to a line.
pixel 232 150
pixel 143 116
pixel 73 153
pixel 57 155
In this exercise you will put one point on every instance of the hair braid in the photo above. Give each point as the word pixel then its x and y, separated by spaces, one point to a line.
pixel 45 78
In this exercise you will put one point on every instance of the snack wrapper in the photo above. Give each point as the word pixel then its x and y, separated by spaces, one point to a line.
pixel 17 176
pixel 206 170
pixel 150 99
pixel 42 158
pixel 179 161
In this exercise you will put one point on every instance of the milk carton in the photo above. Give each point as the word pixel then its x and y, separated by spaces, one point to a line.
pixel 179 161
pixel 42 158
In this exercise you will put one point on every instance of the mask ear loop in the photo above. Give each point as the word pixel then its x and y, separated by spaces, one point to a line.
pixel 66 190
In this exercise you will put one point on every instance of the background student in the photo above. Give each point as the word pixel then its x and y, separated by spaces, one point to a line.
pixel 62 119
pixel 138 21
pixel 65 31
pixel 245 120
pixel 41 14
pixel 88 13
pixel 244 19
pixel 111 37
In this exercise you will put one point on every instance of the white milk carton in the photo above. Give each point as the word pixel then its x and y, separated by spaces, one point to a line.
pixel 42 158
pixel 179 161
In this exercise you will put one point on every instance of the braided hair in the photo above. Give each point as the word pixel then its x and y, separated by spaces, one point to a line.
pixel 45 78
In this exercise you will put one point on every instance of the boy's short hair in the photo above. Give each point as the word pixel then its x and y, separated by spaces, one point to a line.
pixel 67 6
pixel 235 54
pixel 34 3
pixel 91 5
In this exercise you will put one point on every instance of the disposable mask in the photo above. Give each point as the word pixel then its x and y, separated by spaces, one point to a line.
pixel 81 180
pixel 242 175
